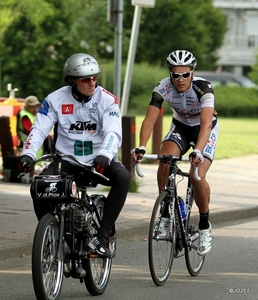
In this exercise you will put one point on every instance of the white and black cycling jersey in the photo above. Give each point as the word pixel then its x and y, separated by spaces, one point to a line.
pixel 84 130
pixel 186 106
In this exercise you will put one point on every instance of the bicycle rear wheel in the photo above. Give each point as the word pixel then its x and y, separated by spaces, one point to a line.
pixel 47 262
pixel 98 268
pixel 161 249
pixel 194 261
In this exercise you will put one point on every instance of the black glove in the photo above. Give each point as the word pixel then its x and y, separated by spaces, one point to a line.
pixel 197 153
pixel 101 163
pixel 140 150
pixel 25 163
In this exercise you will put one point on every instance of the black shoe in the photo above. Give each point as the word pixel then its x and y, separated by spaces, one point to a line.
pixel 101 242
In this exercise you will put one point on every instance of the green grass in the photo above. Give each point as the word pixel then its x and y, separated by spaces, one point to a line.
pixel 237 136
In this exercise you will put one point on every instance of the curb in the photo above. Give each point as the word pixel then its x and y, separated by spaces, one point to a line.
pixel 132 229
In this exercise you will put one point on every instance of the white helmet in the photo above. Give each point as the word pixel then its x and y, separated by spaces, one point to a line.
pixel 80 65
pixel 181 58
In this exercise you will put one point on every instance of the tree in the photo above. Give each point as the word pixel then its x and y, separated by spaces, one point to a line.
pixel 174 24
pixel 254 72
pixel 37 36
pixel 33 50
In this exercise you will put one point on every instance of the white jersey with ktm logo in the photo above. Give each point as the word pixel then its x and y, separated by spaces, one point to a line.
pixel 84 130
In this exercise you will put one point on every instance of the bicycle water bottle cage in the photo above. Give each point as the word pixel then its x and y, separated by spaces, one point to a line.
pixel 52 188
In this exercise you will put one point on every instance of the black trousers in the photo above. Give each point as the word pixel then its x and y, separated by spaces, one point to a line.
pixel 119 180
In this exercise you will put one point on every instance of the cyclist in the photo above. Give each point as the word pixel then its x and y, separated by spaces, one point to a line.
pixel 88 125
pixel 194 121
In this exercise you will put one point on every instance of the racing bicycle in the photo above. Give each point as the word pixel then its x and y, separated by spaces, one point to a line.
pixel 62 241
pixel 180 235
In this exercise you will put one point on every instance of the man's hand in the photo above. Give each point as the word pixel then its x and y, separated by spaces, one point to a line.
pixel 25 163
pixel 101 163
pixel 196 157
pixel 137 153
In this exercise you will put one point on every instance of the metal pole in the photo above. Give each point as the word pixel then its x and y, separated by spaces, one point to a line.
pixel 118 48
pixel 130 60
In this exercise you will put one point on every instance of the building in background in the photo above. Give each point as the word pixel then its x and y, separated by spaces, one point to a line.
pixel 240 46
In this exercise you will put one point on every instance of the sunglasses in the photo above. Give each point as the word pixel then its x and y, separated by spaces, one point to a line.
pixel 88 79
pixel 184 75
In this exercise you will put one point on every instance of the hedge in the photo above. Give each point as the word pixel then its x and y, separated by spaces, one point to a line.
pixel 229 101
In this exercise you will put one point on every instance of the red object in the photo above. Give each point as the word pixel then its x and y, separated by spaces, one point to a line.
pixel 67 109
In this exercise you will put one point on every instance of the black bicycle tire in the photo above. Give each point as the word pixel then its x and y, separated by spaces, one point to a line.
pixel 171 248
pixel 193 271
pixel 38 267
pixel 93 287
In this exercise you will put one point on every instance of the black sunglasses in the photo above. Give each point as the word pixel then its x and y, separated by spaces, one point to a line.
pixel 184 75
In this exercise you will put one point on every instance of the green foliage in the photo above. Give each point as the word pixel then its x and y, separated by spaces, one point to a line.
pixel 33 59
pixel 236 101
pixel 174 24
pixel 229 101
pixel 254 72
pixel 37 37
pixel 134 185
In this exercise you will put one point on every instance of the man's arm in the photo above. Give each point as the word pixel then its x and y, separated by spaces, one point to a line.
pixel 148 123
pixel 206 125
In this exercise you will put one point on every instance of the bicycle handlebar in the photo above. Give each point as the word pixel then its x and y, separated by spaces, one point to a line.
pixel 60 156
pixel 156 156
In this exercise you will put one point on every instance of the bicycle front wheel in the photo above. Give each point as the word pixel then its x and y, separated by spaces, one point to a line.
pixel 47 262
pixel 98 268
pixel 194 261
pixel 161 245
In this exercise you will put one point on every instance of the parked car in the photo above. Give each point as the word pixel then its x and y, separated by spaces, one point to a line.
pixel 225 79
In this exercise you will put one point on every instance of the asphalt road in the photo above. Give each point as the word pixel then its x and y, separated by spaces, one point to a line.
pixel 229 272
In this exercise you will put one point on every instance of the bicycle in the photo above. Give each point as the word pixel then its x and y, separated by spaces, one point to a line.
pixel 62 241
pixel 182 236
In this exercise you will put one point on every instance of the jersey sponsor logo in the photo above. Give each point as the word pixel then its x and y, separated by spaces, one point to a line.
pixel 110 142
pixel 67 109
pixel 114 113
pixel 184 113
pixel 83 148
pixel 44 108
pixel 165 89
pixel 209 148
pixel 115 98
pixel 83 127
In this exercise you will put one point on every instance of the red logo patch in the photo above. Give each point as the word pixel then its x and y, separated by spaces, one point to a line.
pixel 67 109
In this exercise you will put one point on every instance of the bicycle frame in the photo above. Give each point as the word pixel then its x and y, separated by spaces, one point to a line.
pixel 174 203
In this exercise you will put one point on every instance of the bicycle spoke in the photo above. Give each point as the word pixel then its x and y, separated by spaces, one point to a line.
pixel 194 261
pixel 161 245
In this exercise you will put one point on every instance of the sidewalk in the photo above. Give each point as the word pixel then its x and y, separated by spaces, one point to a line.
pixel 233 182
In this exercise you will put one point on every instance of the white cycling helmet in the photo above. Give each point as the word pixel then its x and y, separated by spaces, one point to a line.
pixel 181 58
pixel 80 65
